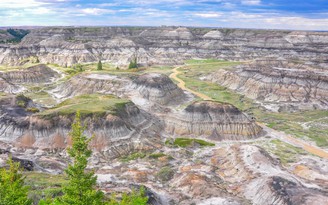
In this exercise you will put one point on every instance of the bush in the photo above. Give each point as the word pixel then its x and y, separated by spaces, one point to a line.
pixel 134 198
pixel 99 66
pixel 165 174
pixel 133 64
pixel 32 109
pixel 22 100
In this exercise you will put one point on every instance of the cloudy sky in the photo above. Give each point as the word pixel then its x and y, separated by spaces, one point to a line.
pixel 275 14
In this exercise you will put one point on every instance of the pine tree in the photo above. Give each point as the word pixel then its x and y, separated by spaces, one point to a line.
pixel 80 189
pixel 99 66
pixel 12 189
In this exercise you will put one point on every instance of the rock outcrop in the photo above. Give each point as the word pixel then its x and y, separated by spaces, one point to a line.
pixel 116 132
pixel 34 74
pixel 11 81
pixel 161 45
pixel 215 120
pixel 91 83
pixel 278 82
pixel 158 88
pixel 252 172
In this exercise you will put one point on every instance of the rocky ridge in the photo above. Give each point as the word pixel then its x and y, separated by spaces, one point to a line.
pixel 282 83
pixel 67 46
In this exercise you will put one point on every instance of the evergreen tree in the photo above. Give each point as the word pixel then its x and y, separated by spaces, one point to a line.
pixel 80 189
pixel 133 63
pixel 12 189
pixel 99 66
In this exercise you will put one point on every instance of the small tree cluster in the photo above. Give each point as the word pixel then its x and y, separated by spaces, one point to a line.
pixel 133 63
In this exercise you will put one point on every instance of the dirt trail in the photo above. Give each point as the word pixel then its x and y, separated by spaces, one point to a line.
pixel 182 84
pixel 280 135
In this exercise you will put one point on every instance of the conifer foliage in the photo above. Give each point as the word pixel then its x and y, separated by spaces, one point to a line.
pixel 12 188
pixel 81 188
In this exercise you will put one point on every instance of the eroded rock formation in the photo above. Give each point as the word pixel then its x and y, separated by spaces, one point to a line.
pixel 285 84
pixel 162 45
pixel 158 88
pixel 215 120
pixel 128 129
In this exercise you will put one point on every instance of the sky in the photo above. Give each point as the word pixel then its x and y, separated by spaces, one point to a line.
pixel 263 14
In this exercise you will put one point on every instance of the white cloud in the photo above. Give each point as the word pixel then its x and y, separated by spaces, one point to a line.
pixel 251 2
pixel 208 15
pixel 16 4
pixel 96 11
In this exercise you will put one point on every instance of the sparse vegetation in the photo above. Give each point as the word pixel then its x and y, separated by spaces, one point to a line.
pixel 286 152
pixel 188 142
pixel 99 65
pixel 44 186
pixel 133 156
pixel 32 109
pixel 165 174
pixel 133 63
pixel 22 100
pixel 93 104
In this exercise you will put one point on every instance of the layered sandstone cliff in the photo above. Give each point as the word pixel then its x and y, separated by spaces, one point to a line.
pixel 158 88
pixel 118 130
pixel 214 120
pixel 91 83
pixel 11 81
pixel 161 45
pixel 279 82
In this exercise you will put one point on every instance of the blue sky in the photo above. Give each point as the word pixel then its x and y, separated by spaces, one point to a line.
pixel 266 14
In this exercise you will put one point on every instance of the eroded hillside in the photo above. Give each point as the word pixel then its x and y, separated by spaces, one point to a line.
pixel 240 120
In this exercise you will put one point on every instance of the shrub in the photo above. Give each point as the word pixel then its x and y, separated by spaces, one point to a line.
pixel 165 174
pixel 133 64
pixel 99 65
pixel 32 109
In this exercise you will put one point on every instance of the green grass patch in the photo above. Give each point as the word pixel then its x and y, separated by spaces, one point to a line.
pixel 133 156
pixel 287 153
pixel 189 142
pixel 291 123
pixel 43 185
pixel 88 104
pixel 202 61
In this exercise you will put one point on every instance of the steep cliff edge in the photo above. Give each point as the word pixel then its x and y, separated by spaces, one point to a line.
pixel 161 45
pixel 214 120
pixel 278 82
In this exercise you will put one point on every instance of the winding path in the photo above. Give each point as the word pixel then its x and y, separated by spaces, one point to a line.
pixel 182 84
pixel 276 134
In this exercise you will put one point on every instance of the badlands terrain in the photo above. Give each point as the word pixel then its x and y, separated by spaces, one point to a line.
pixel 209 117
